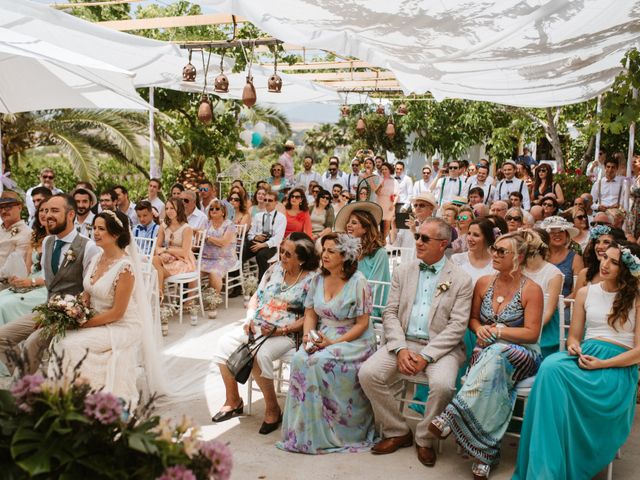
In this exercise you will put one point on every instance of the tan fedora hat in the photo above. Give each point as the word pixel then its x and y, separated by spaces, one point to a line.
pixel 345 212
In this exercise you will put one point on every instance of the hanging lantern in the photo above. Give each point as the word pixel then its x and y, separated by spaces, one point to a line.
pixel 380 109
pixel 274 83
pixel 221 82
pixel 345 110
pixel 390 131
pixel 205 110
pixel 249 93
pixel 361 126
pixel 402 110
pixel 189 71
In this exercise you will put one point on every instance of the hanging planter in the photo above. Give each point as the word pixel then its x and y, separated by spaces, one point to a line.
pixel 249 93
pixel 402 110
pixel 361 126
pixel 274 83
pixel 390 131
pixel 345 110
pixel 380 110
pixel 221 82
pixel 189 71
pixel 205 110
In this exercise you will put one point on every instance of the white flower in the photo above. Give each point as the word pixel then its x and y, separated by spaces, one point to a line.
pixel 443 287
pixel 14 231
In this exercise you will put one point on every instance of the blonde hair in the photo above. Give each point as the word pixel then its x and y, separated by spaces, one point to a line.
pixel 519 246
pixel 536 245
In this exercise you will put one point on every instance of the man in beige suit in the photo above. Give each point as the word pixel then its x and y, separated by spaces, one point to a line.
pixel 424 323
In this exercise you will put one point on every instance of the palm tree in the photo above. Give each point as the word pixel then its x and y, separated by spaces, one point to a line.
pixel 268 115
pixel 78 134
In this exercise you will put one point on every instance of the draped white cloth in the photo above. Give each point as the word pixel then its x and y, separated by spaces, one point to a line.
pixel 532 53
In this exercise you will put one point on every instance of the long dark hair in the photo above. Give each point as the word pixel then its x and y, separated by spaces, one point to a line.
pixel 117 224
pixel 349 266
pixel 242 204
pixel 38 232
pixel 591 258
pixel 372 240
pixel 538 181
pixel 486 228
pixel 628 292
pixel 304 204
pixel 181 216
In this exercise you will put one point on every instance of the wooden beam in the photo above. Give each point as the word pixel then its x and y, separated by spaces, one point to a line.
pixel 344 76
pixel 370 84
pixel 171 22
pixel 63 6
pixel 322 65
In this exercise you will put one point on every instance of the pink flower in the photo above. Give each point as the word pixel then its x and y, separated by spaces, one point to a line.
pixel 219 454
pixel 25 388
pixel 103 406
pixel 177 472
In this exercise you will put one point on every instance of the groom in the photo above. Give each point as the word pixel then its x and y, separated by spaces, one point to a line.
pixel 65 257
pixel 424 324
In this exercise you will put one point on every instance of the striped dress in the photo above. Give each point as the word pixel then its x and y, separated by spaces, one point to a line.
pixel 479 414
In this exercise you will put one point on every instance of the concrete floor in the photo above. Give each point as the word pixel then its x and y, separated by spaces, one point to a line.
pixel 256 457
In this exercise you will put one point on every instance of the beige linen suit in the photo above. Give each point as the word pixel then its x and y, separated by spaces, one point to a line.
pixel 448 321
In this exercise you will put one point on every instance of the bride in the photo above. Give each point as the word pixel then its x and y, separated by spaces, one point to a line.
pixel 114 288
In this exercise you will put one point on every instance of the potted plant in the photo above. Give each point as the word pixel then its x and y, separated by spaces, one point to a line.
pixel 212 300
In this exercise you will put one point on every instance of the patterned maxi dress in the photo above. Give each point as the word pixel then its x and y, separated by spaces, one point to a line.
pixel 219 259
pixel 479 414
pixel 326 409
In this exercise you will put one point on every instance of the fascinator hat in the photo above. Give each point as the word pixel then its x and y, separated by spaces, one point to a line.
pixel 348 246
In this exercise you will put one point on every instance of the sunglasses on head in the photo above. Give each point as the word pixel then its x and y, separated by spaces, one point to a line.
pixel 511 218
pixel 499 251
pixel 425 238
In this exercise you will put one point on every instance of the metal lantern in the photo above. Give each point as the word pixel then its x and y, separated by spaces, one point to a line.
pixel 205 111
pixel 380 109
pixel 345 110
pixel 390 131
pixel 275 83
pixel 361 126
pixel 249 93
pixel 402 110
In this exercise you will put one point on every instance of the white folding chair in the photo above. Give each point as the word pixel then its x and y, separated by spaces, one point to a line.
pixel 379 293
pixel 179 289
pixel 235 281
pixel 146 247
pixel 281 366
pixel 398 255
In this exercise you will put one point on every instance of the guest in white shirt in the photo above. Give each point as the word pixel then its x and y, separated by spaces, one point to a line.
pixel 15 234
pixel 39 195
pixel 304 178
pixel 512 184
pixel 195 218
pixel 449 185
pixel 353 178
pixel 85 200
pixel 108 200
pixel 609 191
pixel 481 179
pixel 207 192
pixel 125 205
pixel 154 187
pixel 422 185
pixel 333 175
pixel 47 179
pixel 405 185
pixel 266 234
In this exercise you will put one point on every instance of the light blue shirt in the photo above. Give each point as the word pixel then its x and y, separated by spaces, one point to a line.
pixel 425 292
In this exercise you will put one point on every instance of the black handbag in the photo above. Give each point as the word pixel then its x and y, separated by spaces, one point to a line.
pixel 240 362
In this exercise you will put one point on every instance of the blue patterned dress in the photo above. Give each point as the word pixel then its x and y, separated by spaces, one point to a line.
pixel 479 414
pixel 326 409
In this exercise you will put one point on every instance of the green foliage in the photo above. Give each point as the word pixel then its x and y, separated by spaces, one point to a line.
pixel 574 183
pixel 322 140
pixel 619 108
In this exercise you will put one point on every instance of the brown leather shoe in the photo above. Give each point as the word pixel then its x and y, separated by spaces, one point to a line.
pixel 426 455
pixel 391 444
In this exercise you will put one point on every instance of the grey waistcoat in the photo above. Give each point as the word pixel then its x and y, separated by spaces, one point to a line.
pixel 69 278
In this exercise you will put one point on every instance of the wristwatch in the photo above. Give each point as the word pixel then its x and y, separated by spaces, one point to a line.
pixel 499 327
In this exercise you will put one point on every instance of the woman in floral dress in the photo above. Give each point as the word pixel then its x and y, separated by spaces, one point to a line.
pixel 326 409
pixel 219 250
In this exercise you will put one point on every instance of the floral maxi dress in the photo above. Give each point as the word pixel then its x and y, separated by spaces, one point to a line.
pixel 326 410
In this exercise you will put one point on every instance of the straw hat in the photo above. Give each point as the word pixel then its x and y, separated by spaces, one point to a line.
pixel 345 212
pixel 426 197
pixel 289 144
pixel 558 223
pixel 92 195
pixel 11 197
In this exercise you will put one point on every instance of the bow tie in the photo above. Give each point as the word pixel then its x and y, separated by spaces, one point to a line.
pixel 509 181
pixel 427 268
pixel 143 227
pixel 397 178
pixel 452 179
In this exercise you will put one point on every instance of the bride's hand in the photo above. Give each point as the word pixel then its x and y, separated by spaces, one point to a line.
pixel 86 299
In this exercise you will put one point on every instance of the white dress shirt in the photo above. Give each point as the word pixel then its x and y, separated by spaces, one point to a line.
pixel 420 187
pixel 131 213
pixel 328 181
pixel 351 183
pixel 405 188
pixel 271 223
pixel 449 187
pixel 89 250
pixel 610 192
pixel 197 220
pixel 85 228
pixel 506 186
pixel 303 179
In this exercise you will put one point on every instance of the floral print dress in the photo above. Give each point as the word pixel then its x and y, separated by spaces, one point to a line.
pixel 326 410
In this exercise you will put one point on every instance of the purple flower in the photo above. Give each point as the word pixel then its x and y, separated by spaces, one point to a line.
pixel 298 385
pixel 219 454
pixel 104 407
pixel 177 472
pixel 329 366
pixel 330 410
pixel 25 388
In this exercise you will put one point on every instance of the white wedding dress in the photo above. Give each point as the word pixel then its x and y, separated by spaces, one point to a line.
pixel 112 354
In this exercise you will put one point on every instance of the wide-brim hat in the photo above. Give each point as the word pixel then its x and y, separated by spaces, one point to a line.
pixel 289 144
pixel 92 195
pixel 426 197
pixel 345 212
pixel 11 197
pixel 556 222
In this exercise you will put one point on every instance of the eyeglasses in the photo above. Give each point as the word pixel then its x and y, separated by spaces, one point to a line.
pixel 425 238
pixel 203 189
pixel 421 205
pixel 48 177
pixel 581 217
pixel 463 218
pixel 271 200
pixel 296 195
pixel 453 167
pixel 235 199
pixel 511 218
pixel 332 170
pixel 499 251
pixel 216 209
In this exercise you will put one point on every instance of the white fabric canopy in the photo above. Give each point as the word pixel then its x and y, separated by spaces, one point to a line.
pixel 36 75
pixel 519 52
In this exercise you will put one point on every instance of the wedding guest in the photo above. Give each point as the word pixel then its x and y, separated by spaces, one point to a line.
pixel 512 184
pixel 47 180
pixel 418 340
pixel 65 260
pixel 85 200
pixel 326 409
pixel 207 192
pixel 239 203
pixel 313 191
pixel 304 178
pixel 544 185
pixel 449 214
pixel 26 293
pixel 196 218
pixel 147 226
pixel 609 192
pixel 176 190
pixel 499 208
pixel 333 175
pixel 108 200
pixel 448 184
pixel 514 219
pixel 277 181
pixel 581 222
pixel 154 187
pixel 477 260
pixel 15 234
pixel 550 207
pixel 219 250
pixel 386 195
pixel 297 213
pixel 322 216
pixel 601 238
pixel 38 195
pixel 278 303
pixel 174 253
pixel 422 185
pixel 286 160
pixel 258 202
pixel 582 404
pixel 515 199
pixel 125 205
pixel 567 260
pixel 369 180
pixel 463 220
pixel 505 316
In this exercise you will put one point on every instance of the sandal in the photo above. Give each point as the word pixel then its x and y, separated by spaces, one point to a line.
pixel 439 428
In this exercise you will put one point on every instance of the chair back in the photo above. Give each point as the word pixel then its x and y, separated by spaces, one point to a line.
pixel 146 247
pixel 241 233
pixel 398 255
pixel 563 304
pixel 379 293
pixel 199 237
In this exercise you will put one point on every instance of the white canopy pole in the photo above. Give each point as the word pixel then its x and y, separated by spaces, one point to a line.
pixel 153 167
pixel 599 132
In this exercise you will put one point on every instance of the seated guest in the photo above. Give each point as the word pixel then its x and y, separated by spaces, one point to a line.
pixel 239 203
pixel 505 316
pixel 173 247
pixel 196 218
pixel 582 404
pixel 108 200
pixel 424 323
pixel 219 250
pixel 550 207
pixel 26 293
pixel 580 220
pixel 321 214
pixel 326 410
pixel 176 190
pixel 499 209
pixel 422 207
pixel 313 191
pixel 515 199
pixel 85 200
pixel 602 236
pixel 514 219
pixel 449 214
pixel 567 260
pixel 266 234
pixel 15 235
pixel 297 213
pixel 147 226
pixel 258 202
pixel 477 260
pixel 463 221
pixel 278 303
pixel 38 195
pixel 207 192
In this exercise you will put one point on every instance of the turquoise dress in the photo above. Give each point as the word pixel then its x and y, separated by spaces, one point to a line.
pixel 14 303
pixel 326 409
pixel 376 267
pixel 479 414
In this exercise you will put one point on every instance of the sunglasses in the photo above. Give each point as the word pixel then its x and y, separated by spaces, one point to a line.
pixel 463 218
pixel 425 238
pixel 499 251
pixel 510 218
pixel 203 189
pixel 48 177
pixel 297 195
pixel 216 209
pixel 325 197
pixel 593 224
pixel 186 201
pixel 332 170
pixel 453 167
pixel 581 217
pixel 271 200
pixel 235 199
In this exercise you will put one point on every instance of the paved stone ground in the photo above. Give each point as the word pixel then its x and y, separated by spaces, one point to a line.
pixel 256 457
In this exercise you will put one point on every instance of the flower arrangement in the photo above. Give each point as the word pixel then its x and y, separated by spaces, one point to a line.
pixel 62 313
pixel 166 312
pixel 69 257
pixel 212 299
pixel 250 285
pixel 14 231
pixel 443 287
pixel 59 426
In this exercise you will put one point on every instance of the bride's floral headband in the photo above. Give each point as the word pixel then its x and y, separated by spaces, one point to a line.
pixel 599 230
pixel 349 247
pixel 113 215
pixel 631 261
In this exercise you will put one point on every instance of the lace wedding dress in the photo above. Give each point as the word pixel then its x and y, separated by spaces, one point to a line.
pixel 111 349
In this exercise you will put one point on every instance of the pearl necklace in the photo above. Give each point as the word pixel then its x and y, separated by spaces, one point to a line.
pixel 282 290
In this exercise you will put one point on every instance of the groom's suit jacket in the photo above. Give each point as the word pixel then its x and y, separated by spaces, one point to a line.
pixel 448 317
pixel 70 274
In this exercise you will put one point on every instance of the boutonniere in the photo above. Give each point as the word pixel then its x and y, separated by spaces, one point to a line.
pixel 14 231
pixel 69 257
pixel 443 287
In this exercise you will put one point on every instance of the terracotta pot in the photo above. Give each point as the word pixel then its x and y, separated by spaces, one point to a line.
pixel 213 314
pixel 391 129
pixel 189 73
pixel 249 93
pixel 221 83
pixel 361 126
pixel 275 83
pixel 205 112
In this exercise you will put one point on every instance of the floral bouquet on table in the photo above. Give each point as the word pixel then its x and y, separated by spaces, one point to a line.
pixel 62 313
pixel 58 426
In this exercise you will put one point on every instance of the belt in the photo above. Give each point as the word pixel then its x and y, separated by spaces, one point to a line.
pixel 422 341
